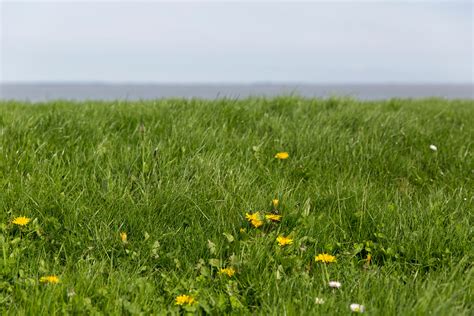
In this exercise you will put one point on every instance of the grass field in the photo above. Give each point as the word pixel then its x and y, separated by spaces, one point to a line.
pixel 133 204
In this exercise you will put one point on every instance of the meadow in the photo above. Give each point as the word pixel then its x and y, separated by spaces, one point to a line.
pixel 283 206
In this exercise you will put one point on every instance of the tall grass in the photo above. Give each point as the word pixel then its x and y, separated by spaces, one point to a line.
pixel 179 176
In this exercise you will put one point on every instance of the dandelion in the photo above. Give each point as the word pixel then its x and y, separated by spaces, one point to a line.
pixel 251 217
pixel 254 219
pixel 283 241
pixel 319 301
pixel 357 308
pixel 368 260
pixel 185 300
pixel 325 258
pixel 123 237
pixel 229 271
pixel 334 284
pixel 275 203
pixel 433 147
pixel 52 279
pixel 282 155
pixel 273 217
pixel 21 220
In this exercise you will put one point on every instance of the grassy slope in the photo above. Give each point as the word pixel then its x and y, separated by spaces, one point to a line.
pixel 174 174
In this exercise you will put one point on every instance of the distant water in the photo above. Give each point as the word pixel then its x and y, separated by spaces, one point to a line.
pixel 98 91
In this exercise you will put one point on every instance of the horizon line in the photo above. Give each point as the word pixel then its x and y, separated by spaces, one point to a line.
pixel 229 83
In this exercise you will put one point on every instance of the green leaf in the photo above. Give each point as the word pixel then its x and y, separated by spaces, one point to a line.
pixel 211 246
pixel 215 262
pixel 229 237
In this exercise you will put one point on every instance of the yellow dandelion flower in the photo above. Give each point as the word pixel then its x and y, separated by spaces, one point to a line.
pixel 185 300
pixel 325 258
pixel 282 155
pixel 123 237
pixel 254 219
pixel 273 217
pixel 369 258
pixel 275 203
pixel 283 241
pixel 53 279
pixel 21 220
pixel 229 271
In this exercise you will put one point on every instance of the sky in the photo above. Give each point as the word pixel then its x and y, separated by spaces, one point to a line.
pixel 237 42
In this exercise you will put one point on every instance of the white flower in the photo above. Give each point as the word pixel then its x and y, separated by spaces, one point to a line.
pixel 319 300
pixel 357 308
pixel 433 147
pixel 71 292
pixel 335 284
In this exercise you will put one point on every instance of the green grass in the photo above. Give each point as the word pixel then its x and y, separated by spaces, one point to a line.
pixel 178 177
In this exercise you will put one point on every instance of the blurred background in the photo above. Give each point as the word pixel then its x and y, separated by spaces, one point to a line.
pixel 153 49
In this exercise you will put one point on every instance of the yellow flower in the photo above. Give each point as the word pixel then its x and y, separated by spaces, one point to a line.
pixel 282 155
pixel 283 241
pixel 185 300
pixel 242 230
pixel 256 223
pixel 49 279
pixel 275 203
pixel 369 258
pixel 21 221
pixel 254 219
pixel 325 258
pixel 123 237
pixel 229 271
pixel 273 217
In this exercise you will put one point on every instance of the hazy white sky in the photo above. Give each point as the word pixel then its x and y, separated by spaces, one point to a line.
pixel 197 41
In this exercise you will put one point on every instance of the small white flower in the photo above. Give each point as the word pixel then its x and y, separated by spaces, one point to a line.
pixel 71 292
pixel 433 147
pixel 335 284
pixel 357 308
pixel 319 300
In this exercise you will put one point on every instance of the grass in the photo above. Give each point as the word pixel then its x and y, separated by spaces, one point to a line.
pixel 179 176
